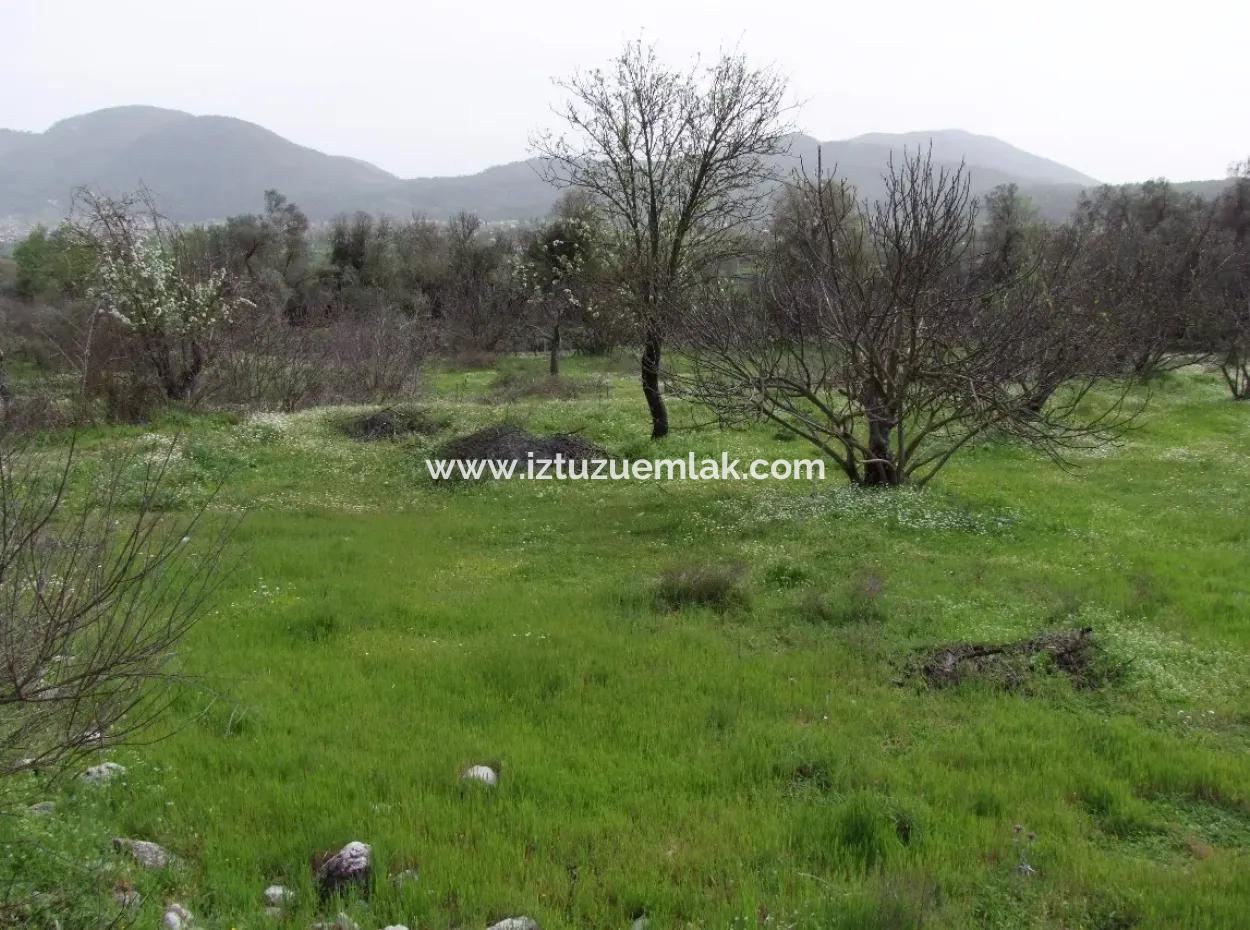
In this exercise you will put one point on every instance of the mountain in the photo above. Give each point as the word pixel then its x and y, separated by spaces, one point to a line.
pixel 198 167
pixel 205 168
pixel 954 145
pixel 988 161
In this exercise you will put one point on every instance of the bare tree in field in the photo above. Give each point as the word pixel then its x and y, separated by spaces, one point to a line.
pixel 880 336
pixel 1144 254
pixel 1229 289
pixel 97 588
pixel 677 163
pixel 1073 336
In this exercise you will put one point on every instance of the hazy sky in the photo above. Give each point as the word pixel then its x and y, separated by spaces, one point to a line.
pixel 1121 91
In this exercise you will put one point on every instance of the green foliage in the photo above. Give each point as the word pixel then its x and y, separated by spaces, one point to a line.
pixel 51 264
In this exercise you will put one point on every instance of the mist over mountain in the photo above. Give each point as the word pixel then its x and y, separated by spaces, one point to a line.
pixel 205 168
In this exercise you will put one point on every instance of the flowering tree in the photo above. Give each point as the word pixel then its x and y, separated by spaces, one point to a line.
pixel 556 271
pixel 148 281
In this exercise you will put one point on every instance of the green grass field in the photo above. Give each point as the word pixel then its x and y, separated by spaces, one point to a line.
pixel 772 764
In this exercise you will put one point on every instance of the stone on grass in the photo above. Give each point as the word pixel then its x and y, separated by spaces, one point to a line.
pixel 342 922
pixel 640 923
pixel 395 927
pixel 278 895
pixel 177 917
pixel 483 773
pixel 148 855
pixel 103 773
pixel 41 808
pixel 515 923
pixel 349 866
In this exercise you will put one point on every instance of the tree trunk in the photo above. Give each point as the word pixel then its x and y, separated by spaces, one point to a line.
pixel 553 365
pixel 651 347
pixel 1236 371
pixel 880 469
pixel 1036 400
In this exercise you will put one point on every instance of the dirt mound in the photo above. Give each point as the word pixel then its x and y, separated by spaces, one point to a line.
pixel 1011 665
pixel 511 443
pixel 390 423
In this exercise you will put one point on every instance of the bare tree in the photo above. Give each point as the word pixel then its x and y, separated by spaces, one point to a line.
pixel 1229 297
pixel 1073 336
pixel 677 164
pixel 880 337
pixel 481 307
pixel 96 590
pixel 1143 250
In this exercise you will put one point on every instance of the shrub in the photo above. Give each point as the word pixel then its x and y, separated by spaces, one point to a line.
pixel 719 586
pixel 367 357
pixel 97 595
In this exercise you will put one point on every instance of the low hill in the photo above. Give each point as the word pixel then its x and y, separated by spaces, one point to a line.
pixel 204 168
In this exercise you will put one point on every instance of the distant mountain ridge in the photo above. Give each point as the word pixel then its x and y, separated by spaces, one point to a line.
pixel 205 168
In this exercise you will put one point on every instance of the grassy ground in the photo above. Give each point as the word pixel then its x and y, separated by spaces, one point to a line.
pixel 766 765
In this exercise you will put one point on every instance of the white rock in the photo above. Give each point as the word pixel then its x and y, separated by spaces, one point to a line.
pixel 515 923
pixel 347 866
pixel 103 773
pixel 483 773
pixel 278 895
pixel 395 927
pixel 342 922
pixel 148 855
pixel 177 917
pixel 640 923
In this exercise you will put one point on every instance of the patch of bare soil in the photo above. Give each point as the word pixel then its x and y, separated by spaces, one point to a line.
pixel 1012 665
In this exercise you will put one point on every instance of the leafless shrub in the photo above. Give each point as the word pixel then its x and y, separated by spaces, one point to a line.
pixel 375 356
pixel 266 363
pixel 94 599
pixel 270 363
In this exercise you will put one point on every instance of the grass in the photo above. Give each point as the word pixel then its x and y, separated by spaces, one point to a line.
pixel 756 757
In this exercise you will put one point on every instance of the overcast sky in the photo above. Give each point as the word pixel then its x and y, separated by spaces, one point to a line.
pixel 1121 91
